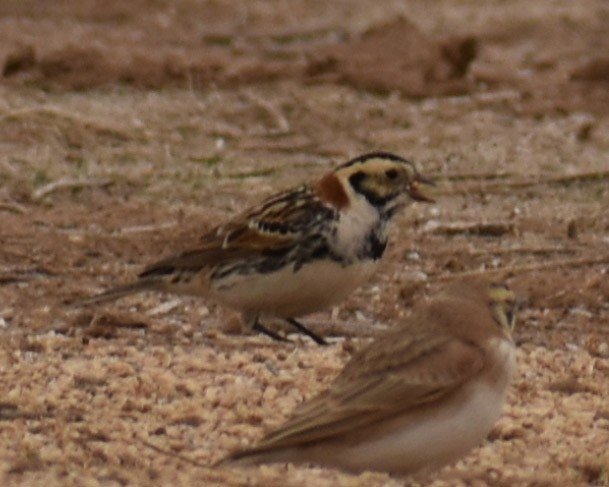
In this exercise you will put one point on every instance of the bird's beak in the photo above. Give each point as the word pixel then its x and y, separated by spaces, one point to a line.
pixel 419 189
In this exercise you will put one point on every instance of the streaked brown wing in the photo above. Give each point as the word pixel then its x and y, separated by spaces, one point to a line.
pixel 212 253
pixel 294 213
pixel 264 236
pixel 428 369
pixel 270 229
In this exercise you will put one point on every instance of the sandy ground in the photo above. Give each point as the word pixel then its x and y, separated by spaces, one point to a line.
pixel 129 128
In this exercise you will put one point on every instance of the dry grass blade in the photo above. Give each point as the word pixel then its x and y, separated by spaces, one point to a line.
pixel 144 228
pixel 10 275
pixel 484 229
pixel 47 111
pixel 500 187
pixel 12 207
pixel 525 250
pixel 281 123
pixel 579 262
pixel 67 184
pixel 475 176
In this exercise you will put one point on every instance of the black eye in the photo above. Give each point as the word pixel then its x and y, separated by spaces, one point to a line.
pixel 391 173
pixel 509 314
pixel 356 179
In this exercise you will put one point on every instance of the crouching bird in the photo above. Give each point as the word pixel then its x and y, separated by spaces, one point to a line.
pixel 418 397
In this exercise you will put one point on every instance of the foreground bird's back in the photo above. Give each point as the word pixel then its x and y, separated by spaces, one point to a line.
pixel 406 384
pixel 410 366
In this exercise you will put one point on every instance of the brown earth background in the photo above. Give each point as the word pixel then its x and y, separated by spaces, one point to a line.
pixel 129 128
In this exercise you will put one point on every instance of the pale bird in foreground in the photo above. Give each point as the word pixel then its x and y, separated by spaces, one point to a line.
pixel 299 251
pixel 419 397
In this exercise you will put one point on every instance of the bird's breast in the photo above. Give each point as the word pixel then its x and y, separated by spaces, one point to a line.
pixel 359 234
pixel 287 292
pixel 426 440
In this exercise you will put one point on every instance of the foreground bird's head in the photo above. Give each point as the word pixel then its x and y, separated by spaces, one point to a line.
pixel 501 301
pixel 384 180
pixel 420 396
pixel 503 305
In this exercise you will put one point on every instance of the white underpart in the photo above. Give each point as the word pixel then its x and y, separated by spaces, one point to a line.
pixel 285 293
pixel 436 440
pixel 440 435
pixel 316 285
pixel 417 440
pixel 354 226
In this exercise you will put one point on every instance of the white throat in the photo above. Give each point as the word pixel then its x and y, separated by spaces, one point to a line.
pixel 355 225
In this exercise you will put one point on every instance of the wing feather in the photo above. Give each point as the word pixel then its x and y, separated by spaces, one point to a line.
pixel 271 229
pixel 415 372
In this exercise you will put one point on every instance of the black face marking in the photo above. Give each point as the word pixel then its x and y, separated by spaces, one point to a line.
pixel 375 155
pixel 375 246
pixel 357 181
pixel 391 173
pixel 509 314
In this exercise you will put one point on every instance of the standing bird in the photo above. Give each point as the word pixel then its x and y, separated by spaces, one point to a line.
pixel 417 398
pixel 299 251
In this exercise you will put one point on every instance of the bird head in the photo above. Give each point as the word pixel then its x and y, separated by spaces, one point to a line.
pixel 384 180
pixel 503 305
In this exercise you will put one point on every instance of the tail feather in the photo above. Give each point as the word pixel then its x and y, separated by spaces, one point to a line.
pixel 119 292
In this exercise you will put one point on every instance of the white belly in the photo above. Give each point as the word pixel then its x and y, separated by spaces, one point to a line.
pixel 432 440
pixel 314 287
pixel 437 436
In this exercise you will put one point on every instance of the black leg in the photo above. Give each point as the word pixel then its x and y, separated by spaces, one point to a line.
pixel 264 330
pixel 305 331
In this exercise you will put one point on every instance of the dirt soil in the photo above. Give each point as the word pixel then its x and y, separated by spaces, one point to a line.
pixel 129 128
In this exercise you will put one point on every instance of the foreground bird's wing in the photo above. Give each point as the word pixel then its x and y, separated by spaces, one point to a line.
pixel 396 374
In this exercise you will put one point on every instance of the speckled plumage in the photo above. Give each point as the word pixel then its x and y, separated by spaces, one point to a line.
pixel 298 251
